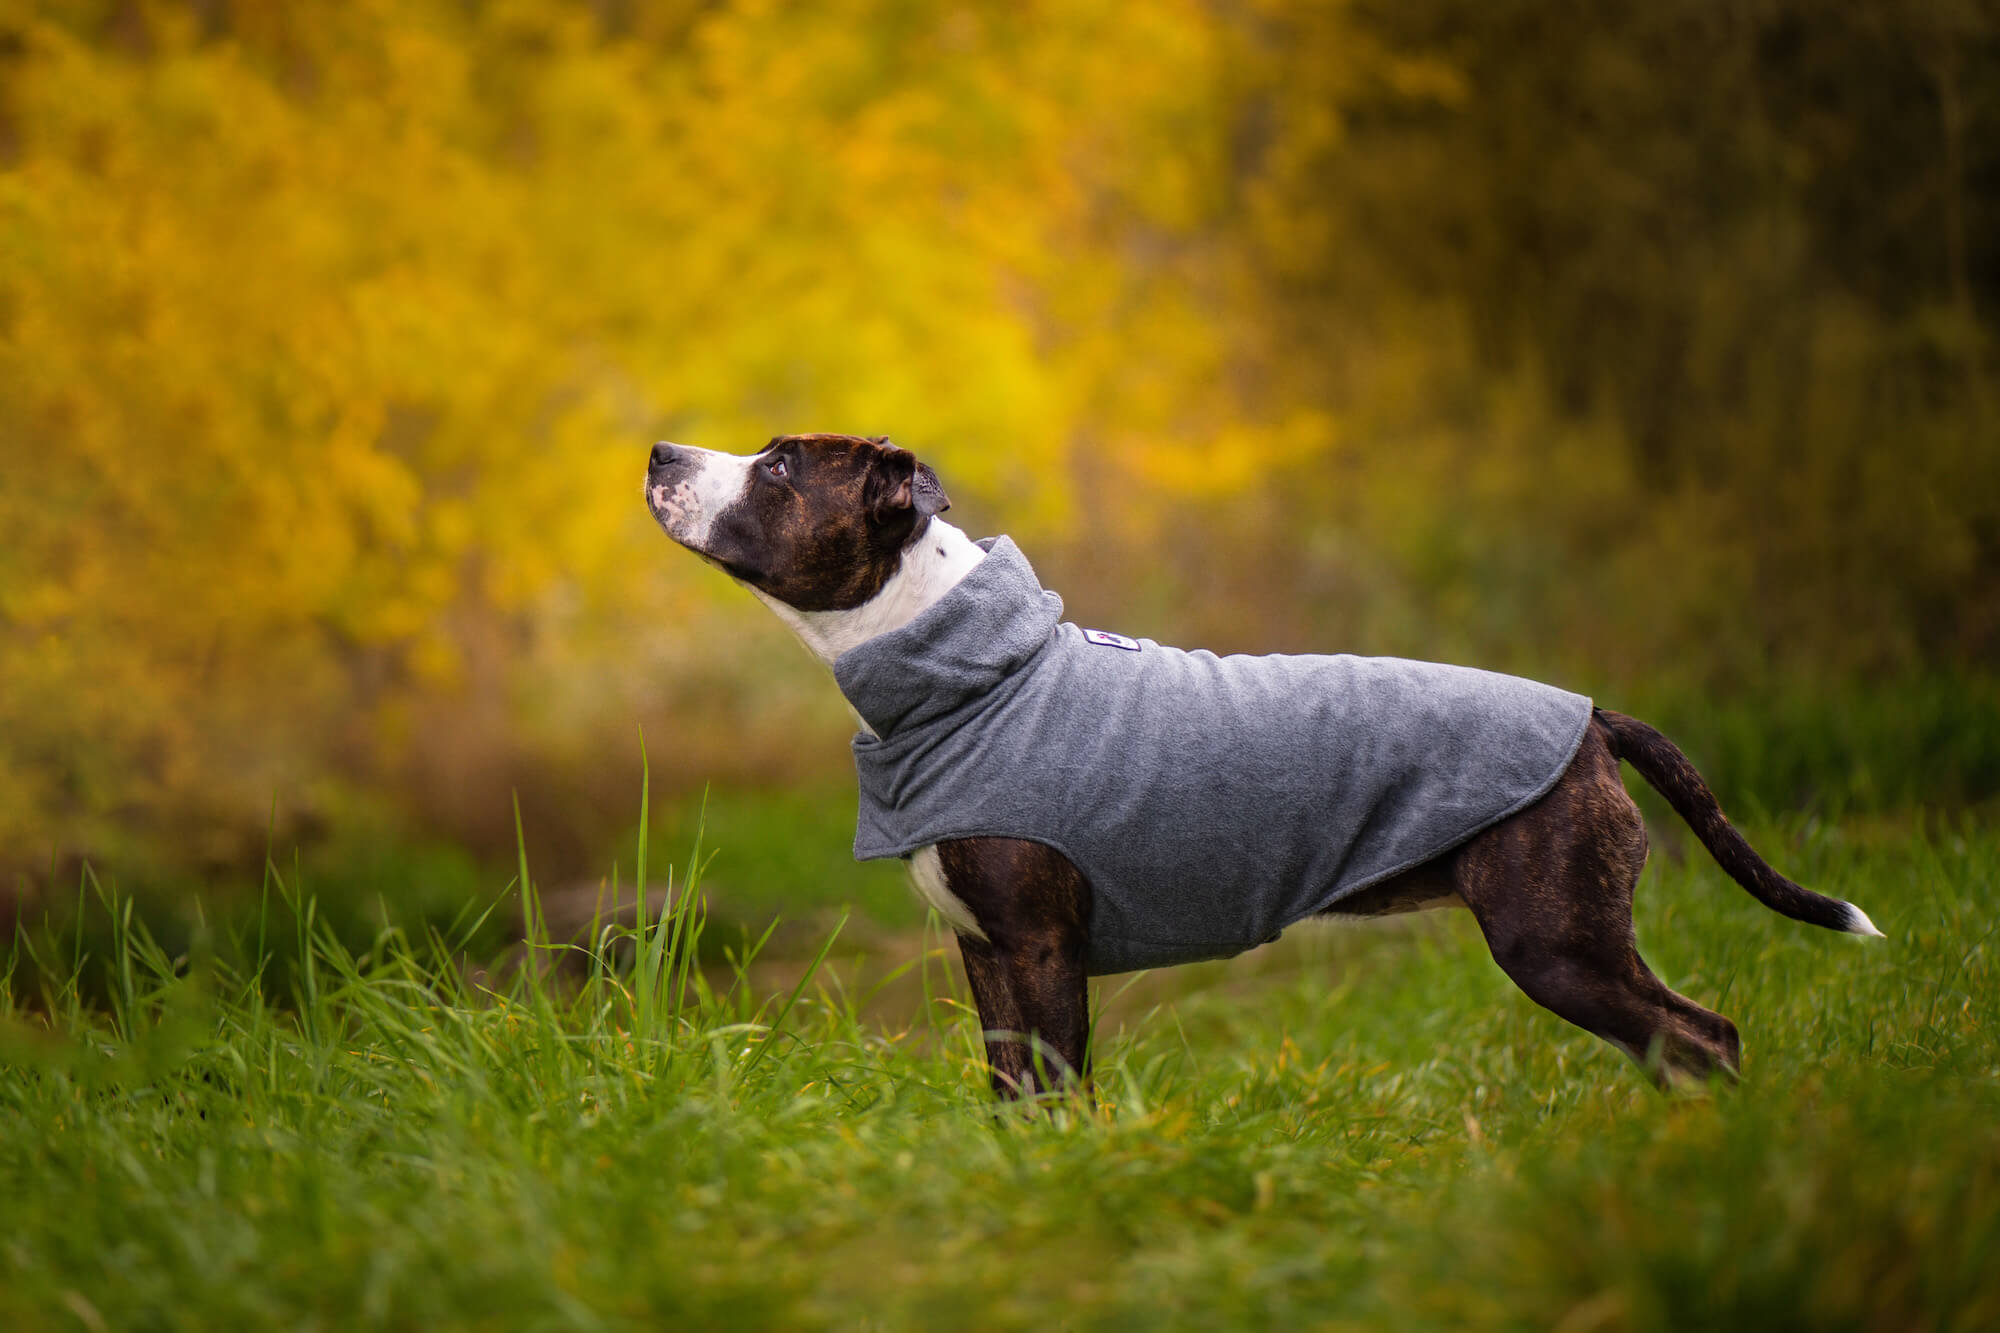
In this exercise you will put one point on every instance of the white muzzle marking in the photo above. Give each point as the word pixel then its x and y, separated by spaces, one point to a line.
pixel 688 506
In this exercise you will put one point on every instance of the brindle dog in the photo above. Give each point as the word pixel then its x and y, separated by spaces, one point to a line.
pixel 839 535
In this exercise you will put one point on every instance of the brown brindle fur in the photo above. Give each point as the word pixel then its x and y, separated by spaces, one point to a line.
pixel 1027 975
pixel 1551 888
pixel 825 538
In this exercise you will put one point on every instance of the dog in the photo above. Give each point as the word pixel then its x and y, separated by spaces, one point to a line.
pixel 1073 802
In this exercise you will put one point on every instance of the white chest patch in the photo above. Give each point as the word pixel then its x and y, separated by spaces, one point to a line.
pixel 927 874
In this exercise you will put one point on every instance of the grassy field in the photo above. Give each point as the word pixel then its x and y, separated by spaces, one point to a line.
pixel 1357 1128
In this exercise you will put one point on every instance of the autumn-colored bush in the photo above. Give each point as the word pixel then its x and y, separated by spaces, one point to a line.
pixel 332 337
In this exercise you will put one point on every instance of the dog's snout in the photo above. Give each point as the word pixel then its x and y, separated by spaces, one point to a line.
pixel 665 454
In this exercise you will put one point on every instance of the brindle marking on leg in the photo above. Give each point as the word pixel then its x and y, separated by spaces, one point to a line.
pixel 1551 888
pixel 1027 975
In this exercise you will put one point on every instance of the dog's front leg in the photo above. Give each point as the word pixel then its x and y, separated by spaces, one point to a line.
pixel 1027 972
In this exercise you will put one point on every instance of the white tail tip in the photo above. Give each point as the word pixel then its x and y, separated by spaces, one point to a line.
pixel 1859 924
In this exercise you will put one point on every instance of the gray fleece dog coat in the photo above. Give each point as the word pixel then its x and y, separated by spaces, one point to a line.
pixel 1210 801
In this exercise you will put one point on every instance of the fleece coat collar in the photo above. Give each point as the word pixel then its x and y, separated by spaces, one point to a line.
pixel 1209 801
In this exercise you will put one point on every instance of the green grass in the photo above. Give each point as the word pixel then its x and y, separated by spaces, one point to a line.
pixel 1364 1128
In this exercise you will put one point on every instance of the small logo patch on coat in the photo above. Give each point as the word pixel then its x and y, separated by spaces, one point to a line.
pixel 1110 640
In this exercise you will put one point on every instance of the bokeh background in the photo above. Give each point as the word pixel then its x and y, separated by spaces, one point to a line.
pixel 1646 349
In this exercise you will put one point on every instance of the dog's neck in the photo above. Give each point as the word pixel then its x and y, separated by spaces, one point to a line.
pixel 931 566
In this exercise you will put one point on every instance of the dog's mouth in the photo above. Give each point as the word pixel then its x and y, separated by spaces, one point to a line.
pixel 669 502
pixel 678 512
pixel 675 508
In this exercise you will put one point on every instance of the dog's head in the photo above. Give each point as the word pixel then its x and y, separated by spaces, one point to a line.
pixel 818 522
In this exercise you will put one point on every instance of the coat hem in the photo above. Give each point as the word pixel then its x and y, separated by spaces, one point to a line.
pixel 1548 785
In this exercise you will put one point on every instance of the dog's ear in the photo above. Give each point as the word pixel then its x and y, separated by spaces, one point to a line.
pixel 927 495
pixel 906 492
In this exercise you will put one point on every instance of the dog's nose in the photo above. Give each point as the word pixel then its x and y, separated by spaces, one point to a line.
pixel 664 453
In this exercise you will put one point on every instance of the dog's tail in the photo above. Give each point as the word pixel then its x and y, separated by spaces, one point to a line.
pixel 1663 765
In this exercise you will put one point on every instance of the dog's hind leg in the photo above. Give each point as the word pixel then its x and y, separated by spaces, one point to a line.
pixel 1026 962
pixel 1551 888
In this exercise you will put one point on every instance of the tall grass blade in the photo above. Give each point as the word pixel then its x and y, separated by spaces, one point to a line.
pixel 777 1023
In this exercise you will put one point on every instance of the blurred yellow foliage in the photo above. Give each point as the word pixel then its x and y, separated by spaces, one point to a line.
pixel 332 337
pixel 337 333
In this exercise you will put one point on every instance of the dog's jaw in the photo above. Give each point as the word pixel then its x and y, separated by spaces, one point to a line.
pixel 932 565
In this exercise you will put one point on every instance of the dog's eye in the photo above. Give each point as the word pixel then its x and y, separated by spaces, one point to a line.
pixel 775 468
